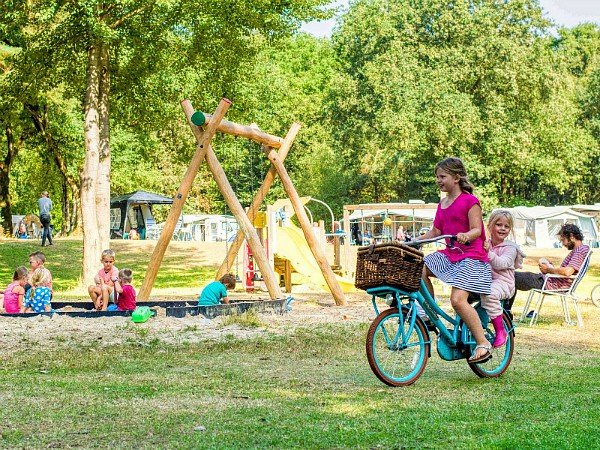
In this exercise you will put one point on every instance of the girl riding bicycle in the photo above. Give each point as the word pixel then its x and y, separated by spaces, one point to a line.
pixel 465 266
pixel 505 256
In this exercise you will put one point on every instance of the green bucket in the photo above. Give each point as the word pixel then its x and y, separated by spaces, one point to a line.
pixel 141 314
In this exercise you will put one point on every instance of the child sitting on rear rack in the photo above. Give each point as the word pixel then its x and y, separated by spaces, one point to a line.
pixel 38 297
pixel 215 292
pixel 505 256
pixel 125 292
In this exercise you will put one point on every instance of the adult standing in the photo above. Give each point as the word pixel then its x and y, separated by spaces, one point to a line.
pixel 45 206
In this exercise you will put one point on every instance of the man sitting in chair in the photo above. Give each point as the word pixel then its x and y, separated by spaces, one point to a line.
pixel 571 237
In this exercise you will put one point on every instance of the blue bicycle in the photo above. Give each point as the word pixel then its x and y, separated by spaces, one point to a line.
pixel 399 340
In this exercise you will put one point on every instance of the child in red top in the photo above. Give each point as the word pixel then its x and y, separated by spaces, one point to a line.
pixel 125 292
pixel 464 267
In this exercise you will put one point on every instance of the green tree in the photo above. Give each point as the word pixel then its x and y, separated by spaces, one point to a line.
pixel 480 80
pixel 117 49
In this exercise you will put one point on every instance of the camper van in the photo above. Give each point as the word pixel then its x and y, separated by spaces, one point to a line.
pixel 211 227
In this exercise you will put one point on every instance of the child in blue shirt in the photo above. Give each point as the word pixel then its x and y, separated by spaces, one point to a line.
pixel 38 297
pixel 216 292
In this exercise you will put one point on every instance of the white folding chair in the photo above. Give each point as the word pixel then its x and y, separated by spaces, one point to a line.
pixel 564 295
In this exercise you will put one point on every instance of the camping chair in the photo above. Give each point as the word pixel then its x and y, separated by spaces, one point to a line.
pixel 564 294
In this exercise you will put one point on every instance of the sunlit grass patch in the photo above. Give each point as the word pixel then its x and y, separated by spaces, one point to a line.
pixel 248 319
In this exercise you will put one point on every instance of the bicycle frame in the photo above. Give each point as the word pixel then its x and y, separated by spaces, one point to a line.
pixel 454 337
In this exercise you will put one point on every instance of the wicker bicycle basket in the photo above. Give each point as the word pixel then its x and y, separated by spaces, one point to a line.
pixel 393 264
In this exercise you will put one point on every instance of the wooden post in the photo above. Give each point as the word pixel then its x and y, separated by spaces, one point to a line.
pixel 258 252
pixel 309 235
pixel 336 251
pixel 346 270
pixel 258 199
pixel 165 236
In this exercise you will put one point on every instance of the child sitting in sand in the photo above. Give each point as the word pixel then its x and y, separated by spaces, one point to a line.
pixel 103 292
pixel 38 297
pixel 216 291
pixel 125 292
pixel 13 294
pixel 36 260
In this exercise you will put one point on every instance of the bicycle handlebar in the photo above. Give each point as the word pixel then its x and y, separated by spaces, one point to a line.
pixel 452 238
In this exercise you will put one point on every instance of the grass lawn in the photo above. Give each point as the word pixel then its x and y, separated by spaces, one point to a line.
pixel 308 388
pixel 300 381
pixel 183 266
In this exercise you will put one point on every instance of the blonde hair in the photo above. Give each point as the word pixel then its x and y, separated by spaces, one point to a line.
pixel 496 215
pixel 454 166
pixel 41 277
pixel 108 253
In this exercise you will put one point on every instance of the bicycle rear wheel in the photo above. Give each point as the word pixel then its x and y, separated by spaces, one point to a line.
pixel 396 356
pixel 501 356
pixel 595 296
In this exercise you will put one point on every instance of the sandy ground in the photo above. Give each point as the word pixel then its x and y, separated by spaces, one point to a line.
pixel 18 334
pixel 21 334
pixel 309 309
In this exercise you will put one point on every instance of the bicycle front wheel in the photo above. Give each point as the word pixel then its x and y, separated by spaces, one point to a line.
pixel 501 356
pixel 397 355
pixel 596 295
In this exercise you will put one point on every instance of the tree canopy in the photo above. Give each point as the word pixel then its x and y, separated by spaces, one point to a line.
pixel 90 92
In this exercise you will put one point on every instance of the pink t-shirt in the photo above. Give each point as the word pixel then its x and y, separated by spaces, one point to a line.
pixel 108 276
pixel 11 299
pixel 126 299
pixel 455 219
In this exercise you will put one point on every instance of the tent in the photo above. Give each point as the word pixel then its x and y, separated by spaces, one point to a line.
pixel 134 211
pixel 369 222
pixel 537 226
pixel 211 227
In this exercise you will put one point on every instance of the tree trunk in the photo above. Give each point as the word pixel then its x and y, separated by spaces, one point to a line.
pixel 103 179
pixel 89 175
pixel 5 207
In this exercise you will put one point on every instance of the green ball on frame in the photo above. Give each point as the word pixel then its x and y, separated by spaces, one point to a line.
pixel 198 119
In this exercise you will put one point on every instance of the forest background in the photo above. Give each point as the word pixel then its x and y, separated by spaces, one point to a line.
pixel 398 86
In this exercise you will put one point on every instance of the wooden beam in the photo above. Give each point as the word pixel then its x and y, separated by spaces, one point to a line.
pixel 258 199
pixel 184 188
pixel 248 132
pixel 309 235
pixel 258 252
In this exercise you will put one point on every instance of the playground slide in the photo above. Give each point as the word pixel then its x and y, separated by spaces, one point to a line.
pixel 292 245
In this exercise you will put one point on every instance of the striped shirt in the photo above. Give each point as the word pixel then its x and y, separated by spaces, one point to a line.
pixel 574 260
